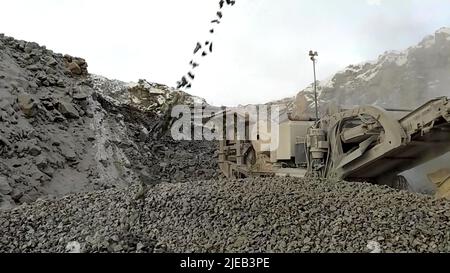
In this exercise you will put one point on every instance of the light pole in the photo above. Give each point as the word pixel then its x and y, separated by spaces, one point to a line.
pixel 313 56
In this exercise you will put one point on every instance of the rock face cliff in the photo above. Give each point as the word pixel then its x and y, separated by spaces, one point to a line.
pixel 397 79
pixel 65 131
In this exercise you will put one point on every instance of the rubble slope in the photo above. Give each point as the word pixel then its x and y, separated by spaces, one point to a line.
pixel 62 133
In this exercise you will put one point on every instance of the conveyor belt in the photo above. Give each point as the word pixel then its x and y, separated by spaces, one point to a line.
pixel 427 131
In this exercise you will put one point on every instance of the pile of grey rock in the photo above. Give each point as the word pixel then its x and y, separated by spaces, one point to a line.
pixel 58 137
pixel 44 108
pixel 255 215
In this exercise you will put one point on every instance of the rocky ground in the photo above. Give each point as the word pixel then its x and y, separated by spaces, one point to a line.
pixel 255 215
pixel 63 130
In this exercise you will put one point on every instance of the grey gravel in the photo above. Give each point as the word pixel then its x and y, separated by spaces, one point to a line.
pixel 255 215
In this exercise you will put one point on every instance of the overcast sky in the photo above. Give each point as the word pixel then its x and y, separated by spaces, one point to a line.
pixel 260 49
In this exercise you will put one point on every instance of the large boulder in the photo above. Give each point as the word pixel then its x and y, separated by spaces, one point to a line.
pixel 68 153
pixel 80 94
pixel 27 104
pixel 74 68
pixel 68 110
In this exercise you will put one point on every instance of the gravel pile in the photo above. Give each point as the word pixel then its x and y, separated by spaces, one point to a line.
pixel 45 112
pixel 61 134
pixel 255 215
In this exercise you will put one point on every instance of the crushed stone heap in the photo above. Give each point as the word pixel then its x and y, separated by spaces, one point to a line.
pixel 255 215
